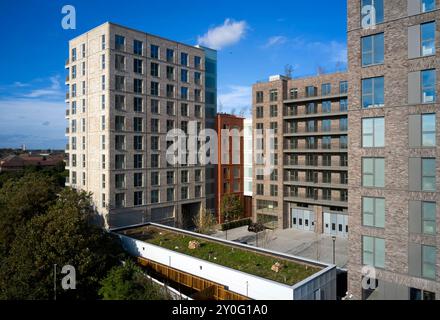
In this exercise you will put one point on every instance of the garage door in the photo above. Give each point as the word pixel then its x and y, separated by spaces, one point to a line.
pixel 303 219
pixel 336 224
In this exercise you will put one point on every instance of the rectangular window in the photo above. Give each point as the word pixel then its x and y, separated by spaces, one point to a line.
pixel 137 86
pixel 427 33
pixel 119 161
pixel 120 142
pixel 154 69
pixel 120 83
pixel 428 78
pixel 155 125
pixel 137 142
pixel 137 104
pixel 138 198
pixel 326 106
pixel 120 200
pixel 154 53
pixel 273 95
pixel 197 78
pixel 170 73
pixel 120 181
pixel 183 58
pixel 119 102
pixel 373 251
pixel 427 5
pixel 154 88
pixel 184 75
pixel 373 132
pixel 373 92
pixel 137 66
pixel 154 178
pixel 119 42
pixel 429 213
pixel 155 161
pixel 184 93
pixel 373 172
pixel 367 14
pixel 259 112
pixel 137 47
pixel 343 105
pixel 103 42
pixel 273 111
pixel 170 55
pixel 326 89
pixel 428 130
pixel 119 62
pixel 170 194
pixel 138 161
pixel 373 212
pixel 429 258
pixel 197 62
pixel 428 175
pixel 343 87
pixel 373 50
pixel 259 96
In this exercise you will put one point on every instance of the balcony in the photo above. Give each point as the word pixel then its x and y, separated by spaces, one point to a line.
pixel 316 184
pixel 336 202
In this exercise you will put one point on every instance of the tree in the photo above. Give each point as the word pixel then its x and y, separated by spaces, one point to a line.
pixel 127 282
pixel 62 236
pixel 231 207
pixel 22 199
pixel 205 222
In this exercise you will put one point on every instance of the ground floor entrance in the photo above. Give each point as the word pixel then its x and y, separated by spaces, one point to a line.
pixel 336 224
pixel 302 219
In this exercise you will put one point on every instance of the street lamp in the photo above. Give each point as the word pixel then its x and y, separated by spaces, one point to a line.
pixel 334 249
pixel 226 223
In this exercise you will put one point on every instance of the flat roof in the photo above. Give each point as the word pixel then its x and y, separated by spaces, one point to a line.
pixel 237 256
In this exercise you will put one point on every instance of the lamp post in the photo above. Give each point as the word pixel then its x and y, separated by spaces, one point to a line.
pixel 226 222
pixel 334 249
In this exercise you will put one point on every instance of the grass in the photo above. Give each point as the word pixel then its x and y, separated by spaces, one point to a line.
pixel 236 258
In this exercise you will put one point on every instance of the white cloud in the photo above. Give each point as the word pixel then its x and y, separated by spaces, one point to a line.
pixel 275 41
pixel 53 90
pixel 225 35
pixel 235 99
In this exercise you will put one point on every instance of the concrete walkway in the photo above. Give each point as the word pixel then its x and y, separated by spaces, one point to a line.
pixel 295 242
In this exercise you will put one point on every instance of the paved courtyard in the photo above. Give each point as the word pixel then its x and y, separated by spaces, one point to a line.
pixel 295 242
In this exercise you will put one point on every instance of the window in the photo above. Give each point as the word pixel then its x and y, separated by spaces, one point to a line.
pixel 103 102
pixel 311 91
pixel 154 196
pixel 102 123
pixel 119 62
pixel 170 177
pixel 155 125
pixel 184 75
pixel 184 176
pixel 427 33
pixel 373 212
pixel 184 93
pixel 418 294
pixel 378 6
pixel 273 190
pixel 183 58
pixel 155 161
pixel 137 47
pixel 103 82
pixel 260 189
pixel 120 142
pixel 154 106
pixel 74 54
pixel 138 161
pixel 120 200
pixel 119 123
pixel 137 142
pixel 343 124
pixel 103 42
pixel 119 42
pixel 120 83
pixel 120 181
pixel 137 86
pixel 259 112
pixel 137 66
pixel 197 95
pixel 138 198
pixel 326 125
pixel 273 95
pixel 429 257
pixel 184 193
pixel 170 55
pixel 428 130
pixel 373 92
pixel 154 178
pixel 119 102
pixel 198 111
pixel 154 69
pixel 326 142
pixel 154 53
pixel 373 132
pixel 119 161
pixel 103 142
pixel 197 62
pixel 137 124
pixel 197 78
pixel 259 96
pixel 184 109
pixel 103 181
pixel 155 143
pixel 428 175
pixel 373 252
pixel 273 111
pixel 373 172
pixel 170 194
pixel 311 108
pixel 428 5
pixel 198 190
pixel 326 106
pixel 373 50
pixel 429 213
pixel 343 87
pixel 326 89
pixel 428 78
pixel 154 88
pixel 137 104
pixel 343 105
pixel 170 73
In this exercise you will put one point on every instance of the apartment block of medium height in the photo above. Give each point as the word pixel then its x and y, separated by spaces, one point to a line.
pixel 300 171
pixel 126 90
pixel 393 150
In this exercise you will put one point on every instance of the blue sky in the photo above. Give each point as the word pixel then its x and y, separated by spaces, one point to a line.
pixel 253 42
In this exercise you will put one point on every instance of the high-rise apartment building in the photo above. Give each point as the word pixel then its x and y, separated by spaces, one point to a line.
pixel 393 149
pixel 300 153
pixel 126 91
pixel 247 166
